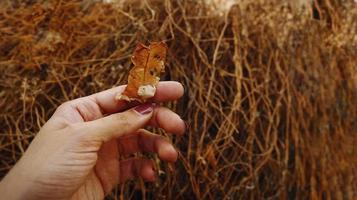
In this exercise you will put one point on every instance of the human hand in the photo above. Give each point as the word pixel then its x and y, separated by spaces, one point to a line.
pixel 76 153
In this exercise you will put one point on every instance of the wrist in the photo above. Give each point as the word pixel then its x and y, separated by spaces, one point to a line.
pixel 15 185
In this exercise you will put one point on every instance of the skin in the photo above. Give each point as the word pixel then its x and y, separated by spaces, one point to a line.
pixel 76 153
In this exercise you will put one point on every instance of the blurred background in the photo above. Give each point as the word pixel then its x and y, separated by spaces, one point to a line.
pixel 270 88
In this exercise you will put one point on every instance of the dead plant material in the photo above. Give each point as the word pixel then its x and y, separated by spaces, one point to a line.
pixel 145 75
pixel 270 91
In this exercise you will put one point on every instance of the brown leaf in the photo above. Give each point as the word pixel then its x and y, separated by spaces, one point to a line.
pixel 145 75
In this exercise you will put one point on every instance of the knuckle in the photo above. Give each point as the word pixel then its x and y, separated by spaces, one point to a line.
pixel 123 121
pixel 80 134
pixel 64 106
pixel 121 117
pixel 74 128
pixel 84 139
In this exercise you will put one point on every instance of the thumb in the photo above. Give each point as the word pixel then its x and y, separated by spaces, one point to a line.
pixel 116 125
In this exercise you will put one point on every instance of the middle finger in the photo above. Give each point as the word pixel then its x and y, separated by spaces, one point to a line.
pixel 168 120
pixel 145 141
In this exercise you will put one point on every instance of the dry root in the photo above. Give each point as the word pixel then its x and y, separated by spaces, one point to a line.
pixel 270 91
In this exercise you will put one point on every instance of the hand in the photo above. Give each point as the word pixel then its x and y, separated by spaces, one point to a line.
pixel 76 153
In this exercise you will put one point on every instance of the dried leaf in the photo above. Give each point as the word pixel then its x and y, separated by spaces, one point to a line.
pixel 145 75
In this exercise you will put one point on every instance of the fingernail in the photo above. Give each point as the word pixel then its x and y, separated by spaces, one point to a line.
pixel 145 108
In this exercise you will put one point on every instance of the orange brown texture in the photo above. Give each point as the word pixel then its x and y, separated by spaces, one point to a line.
pixel 145 75
pixel 270 92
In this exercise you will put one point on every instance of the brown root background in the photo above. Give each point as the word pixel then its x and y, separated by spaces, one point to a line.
pixel 270 90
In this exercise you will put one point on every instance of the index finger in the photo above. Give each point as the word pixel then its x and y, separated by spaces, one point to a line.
pixel 165 91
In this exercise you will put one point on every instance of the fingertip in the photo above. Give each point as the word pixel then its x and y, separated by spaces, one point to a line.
pixel 148 173
pixel 169 91
pixel 167 152
pixel 180 88
pixel 182 128
pixel 168 120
